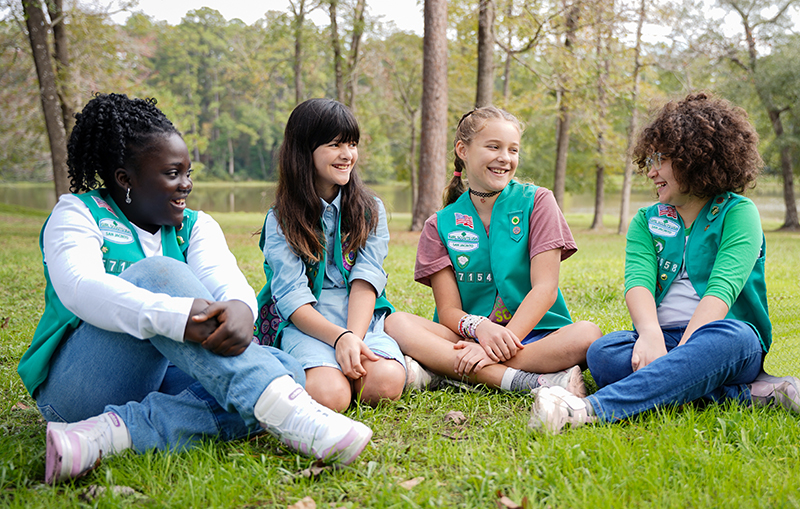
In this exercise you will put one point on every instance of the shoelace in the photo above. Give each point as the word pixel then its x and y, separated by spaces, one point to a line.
pixel 307 420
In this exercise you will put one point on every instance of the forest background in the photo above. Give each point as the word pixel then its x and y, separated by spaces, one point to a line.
pixel 580 74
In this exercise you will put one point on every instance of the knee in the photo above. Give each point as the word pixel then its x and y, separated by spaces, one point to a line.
pixel 386 380
pixel 397 322
pixel 334 393
pixel 587 333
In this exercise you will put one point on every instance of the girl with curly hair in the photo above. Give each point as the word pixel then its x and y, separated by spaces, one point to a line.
pixel 694 279
pixel 145 341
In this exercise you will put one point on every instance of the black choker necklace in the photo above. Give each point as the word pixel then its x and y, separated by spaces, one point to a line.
pixel 483 196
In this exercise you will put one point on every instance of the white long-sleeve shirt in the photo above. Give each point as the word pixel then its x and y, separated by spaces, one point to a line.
pixel 72 243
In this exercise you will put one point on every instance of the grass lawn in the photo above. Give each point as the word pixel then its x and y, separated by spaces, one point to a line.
pixel 717 456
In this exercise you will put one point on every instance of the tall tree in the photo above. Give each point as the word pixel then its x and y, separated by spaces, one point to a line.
pixel 603 20
pixel 751 13
pixel 627 180
pixel 485 86
pixel 336 45
pixel 433 142
pixel 48 91
pixel 355 49
pixel 571 10
pixel 300 9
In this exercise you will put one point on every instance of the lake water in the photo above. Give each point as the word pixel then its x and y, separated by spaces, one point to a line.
pixel 257 197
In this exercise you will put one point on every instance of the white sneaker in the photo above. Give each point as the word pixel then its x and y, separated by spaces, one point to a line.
pixel 76 448
pixel 287 411
pixel 571 379
pixel 419 377
pixel 555 407
pixel 768 390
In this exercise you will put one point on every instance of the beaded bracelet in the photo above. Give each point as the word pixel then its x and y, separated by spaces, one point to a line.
pixel 340 337
pixel 468 326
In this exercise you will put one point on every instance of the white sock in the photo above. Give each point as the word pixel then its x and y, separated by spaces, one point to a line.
pixel 508 377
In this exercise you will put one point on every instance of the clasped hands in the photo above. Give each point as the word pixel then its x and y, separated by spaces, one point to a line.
pixel 495 344
pixel 223 327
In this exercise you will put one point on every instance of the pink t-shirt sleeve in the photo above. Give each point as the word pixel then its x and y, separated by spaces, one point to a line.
pixel 431 253
pixel 548 228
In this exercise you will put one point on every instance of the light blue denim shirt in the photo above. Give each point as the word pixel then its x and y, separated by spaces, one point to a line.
pixel 289 283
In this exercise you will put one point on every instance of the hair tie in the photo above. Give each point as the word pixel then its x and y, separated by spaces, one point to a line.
pixel 457 173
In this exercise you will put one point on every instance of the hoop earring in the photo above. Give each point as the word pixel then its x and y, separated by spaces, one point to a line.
pixel 128 196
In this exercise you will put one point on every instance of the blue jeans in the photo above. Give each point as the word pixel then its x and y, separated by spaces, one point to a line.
pixel 170 395
pixel 717 363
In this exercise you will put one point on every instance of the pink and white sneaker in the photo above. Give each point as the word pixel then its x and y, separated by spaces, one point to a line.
pixel 287 411
pixel 768 390
pixel 73 449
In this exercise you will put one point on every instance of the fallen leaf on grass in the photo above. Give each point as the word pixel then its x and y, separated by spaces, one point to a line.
pixel 94 492
pixel 505 502
pixel 313 472
pixel 411 482
pixel 20 406
pixel 455 417
pixel 305 503
pixel 5 322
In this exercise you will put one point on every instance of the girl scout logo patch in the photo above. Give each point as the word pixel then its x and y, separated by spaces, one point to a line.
pixel 114 231
pixel 663 227
pixel 349 259
pixel 462 261
pixel 462 241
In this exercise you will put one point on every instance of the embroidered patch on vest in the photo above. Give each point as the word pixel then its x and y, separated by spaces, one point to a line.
pixel 462 261
pixel 462 241
pixel 667 210
pixel 465 220
pixel 115 232
pixel 104 205
pixel 663 227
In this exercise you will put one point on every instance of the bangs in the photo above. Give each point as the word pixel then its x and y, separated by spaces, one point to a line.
pixel 334 121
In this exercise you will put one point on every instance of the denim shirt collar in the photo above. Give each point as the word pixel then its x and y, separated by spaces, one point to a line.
pixel 336 203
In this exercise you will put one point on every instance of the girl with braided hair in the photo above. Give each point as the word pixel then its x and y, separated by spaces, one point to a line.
pixel 492 257
pixel 145 341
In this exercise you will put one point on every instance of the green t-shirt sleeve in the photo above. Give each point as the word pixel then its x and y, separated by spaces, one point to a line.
pixel 640 255
pixel 739 248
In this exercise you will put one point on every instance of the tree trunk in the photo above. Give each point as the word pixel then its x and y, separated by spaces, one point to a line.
pixel 337 52
pixel 485 86
pixel 433 141
pixel 602 52
pixel 507 69
pixel 572 13
pixel 231 164
pixel 64 80
pixel 627 180
pixel 562 148
pixel 48 92
pixel 355 48
pixel 299 20
pixel 413 159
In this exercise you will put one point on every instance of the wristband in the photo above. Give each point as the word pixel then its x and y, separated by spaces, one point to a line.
pixel 340 337
pixel 468 326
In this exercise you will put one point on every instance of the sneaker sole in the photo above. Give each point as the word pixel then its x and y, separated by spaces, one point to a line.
pixel 348 448
pixel 786 394
pixel 58 454
pixel 576 384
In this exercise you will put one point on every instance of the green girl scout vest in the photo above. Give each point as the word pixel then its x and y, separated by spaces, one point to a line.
pixel 269 324
pixel 486 267
pixel 120 249
pixel 667 230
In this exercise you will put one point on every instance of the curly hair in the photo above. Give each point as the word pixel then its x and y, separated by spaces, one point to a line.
pixel 712 145
pixel 469 126
pixel 111 132
pixel 298 209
